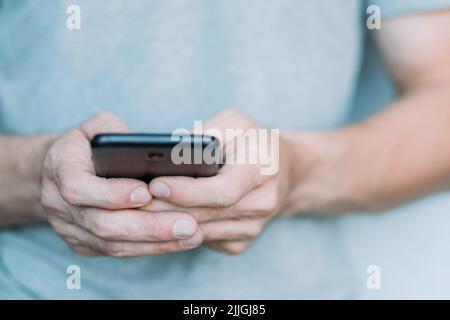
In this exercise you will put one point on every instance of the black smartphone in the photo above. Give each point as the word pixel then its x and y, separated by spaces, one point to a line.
pixel 146 156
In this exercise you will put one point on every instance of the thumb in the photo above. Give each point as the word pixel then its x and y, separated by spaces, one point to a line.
pixel 104 122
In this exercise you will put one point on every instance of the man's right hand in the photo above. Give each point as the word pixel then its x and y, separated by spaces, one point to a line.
pixel 99 216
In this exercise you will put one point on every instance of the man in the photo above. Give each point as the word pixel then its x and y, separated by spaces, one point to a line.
pixel 161 65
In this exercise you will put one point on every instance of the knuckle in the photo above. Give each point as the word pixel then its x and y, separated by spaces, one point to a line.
pixel 153 227
pixel 254 230
pixel 111 199
pixel 109 119
pixel 231 112
pixel 48 192
pixel 200 214
pixel 227 197
pixel 60 229
pixel 99 224
pixel 114 249
pixel 54 153
pixel 208 214
pixel 47 200
pixel 107 115
pixel 70 192
pixel 153 230
pixel 108 232
pixel 161 248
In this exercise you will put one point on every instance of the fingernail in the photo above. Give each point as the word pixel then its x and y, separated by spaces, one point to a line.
pixel 140 196
pixel 160 190
pixel 193 242
pixel 184 228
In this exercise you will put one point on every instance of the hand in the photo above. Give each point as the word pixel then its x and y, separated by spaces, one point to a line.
pixel 233 207
pixel 98 216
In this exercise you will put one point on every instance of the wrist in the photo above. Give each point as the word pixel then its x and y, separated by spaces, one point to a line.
pixel 42 145
pixel 21 166
pixel 320 176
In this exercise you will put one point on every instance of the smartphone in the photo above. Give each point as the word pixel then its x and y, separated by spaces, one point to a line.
pixel 146 156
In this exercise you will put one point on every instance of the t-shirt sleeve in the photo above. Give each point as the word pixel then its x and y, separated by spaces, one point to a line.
pixel 391 8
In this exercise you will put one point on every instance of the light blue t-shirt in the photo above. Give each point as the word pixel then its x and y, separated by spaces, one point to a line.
pixel 161 65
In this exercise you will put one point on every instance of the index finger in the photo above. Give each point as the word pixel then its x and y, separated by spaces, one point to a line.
pixel 223 190
pixel 133 225
pixel 75 175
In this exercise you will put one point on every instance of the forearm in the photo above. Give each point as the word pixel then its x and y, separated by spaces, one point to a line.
pixel 21 161
pixel 399 155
